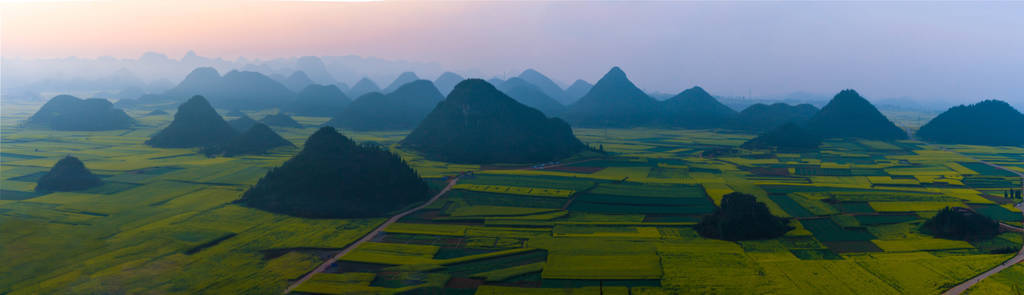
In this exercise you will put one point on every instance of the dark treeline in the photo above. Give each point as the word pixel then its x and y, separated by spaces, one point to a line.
pixel 960 224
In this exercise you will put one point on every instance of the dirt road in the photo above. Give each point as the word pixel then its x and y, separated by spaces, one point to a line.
pixel 369 236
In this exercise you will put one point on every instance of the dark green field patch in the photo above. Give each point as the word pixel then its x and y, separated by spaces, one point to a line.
pixel 650 190
pixel 987 170
pixel 32 177
pixel 852 246
pixel 826 230
pixel 634 200
pixel 886 219
pixel 815 254
pixel 791 207
pixel 468 268
pixel 996 212
pixel 855 207
pixel 111 187
pixel 18 195
pixel 639 209
pixel 556 182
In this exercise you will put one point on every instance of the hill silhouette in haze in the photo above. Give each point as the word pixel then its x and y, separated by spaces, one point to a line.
pixel 789 137
pixel 544 84
pixel 316 70
pixel 318 101
pixel 990 122
pixel 761 117
pixel 258 139
pixel 402 79
pixel 69 113
pixel 447 81
pixel 531 96
pixel 235 90
pixel 850 115
pixel 242 123
pixel 68 174
pixel 576 90
pixel 280 120
pixel 333 177
pixel 479 124
pixel 696 109
pixel 398 110
pixel 613 102
pixel 363 86
pixel 297 81
pixel 196 124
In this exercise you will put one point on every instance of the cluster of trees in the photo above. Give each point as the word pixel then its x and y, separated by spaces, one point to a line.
pixel 960 224
pixel 742 217
pixel 1012 194
pixel 333 177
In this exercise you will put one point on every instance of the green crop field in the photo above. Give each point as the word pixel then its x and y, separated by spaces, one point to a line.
pixel 623 223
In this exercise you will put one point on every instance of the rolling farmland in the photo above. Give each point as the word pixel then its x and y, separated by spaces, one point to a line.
pixel 622 223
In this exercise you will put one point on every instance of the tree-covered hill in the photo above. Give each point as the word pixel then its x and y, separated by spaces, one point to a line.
pixel 69 113
pixel 990 122
pixel 850 115
pixel 196 124
pixel 333 177
pixel 479 124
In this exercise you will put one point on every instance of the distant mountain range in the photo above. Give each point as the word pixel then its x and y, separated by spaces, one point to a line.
pixel 234 90
pixel 401 109
pixel 318 101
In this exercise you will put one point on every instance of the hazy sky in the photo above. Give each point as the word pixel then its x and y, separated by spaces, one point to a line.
pixel 927 50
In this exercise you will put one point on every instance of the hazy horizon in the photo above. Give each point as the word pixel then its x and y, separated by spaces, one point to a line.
pixel 933 52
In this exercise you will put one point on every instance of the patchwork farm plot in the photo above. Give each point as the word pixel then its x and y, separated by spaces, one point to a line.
pixel 621 223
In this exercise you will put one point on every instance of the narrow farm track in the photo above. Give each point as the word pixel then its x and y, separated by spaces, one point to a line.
pixel 959 289
pixel 369 236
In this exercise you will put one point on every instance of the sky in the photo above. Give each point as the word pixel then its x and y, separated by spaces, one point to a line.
pixel 930 51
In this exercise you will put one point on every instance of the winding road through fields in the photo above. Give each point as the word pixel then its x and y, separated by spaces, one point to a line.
pixel 369 236
pixel 959 289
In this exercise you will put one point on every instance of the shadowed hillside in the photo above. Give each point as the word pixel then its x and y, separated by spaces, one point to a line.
pixel 257 139
pixel 850 115
pixel 479 124
pixel 613 102
pixel 195 124
pixel 762 117
pixel 318 101
pixel 989 122
pixel 68 174
pixel 333 177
